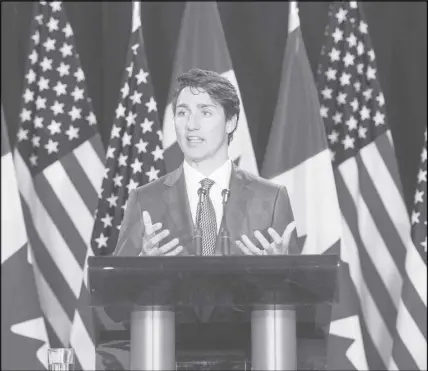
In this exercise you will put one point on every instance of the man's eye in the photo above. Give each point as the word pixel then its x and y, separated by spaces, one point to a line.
pixel 206 113
pixel 181 113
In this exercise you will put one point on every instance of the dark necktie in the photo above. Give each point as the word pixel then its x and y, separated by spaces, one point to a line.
pixel 207 221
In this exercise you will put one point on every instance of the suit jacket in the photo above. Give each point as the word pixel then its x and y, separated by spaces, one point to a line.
pixel 254 203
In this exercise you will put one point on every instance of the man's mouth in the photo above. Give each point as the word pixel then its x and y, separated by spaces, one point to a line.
pixel 194 139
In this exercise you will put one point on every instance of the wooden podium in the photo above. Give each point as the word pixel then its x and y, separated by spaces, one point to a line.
pixel 154 296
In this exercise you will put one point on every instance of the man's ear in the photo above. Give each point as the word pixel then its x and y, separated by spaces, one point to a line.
pixel 231 124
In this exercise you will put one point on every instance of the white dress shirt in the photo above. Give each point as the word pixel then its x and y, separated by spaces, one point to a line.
pixel 221 178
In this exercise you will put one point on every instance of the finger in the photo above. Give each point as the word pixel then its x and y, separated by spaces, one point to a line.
pixel 156 227
pixel 147 220
pixel 262 239
pixel 152 242
pixel 244 248
pixel 168 246
pixel 275 236
pixel 157 238
pixel 253 248
pixel 286 236
pixel 176 251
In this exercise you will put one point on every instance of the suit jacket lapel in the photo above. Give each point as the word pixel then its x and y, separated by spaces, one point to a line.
pixel 236 209
pixel 177 201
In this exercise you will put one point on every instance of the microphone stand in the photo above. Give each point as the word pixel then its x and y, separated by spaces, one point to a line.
pixel 224 235
pixel 197 233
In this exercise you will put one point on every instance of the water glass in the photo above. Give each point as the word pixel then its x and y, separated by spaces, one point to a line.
pixel 60 359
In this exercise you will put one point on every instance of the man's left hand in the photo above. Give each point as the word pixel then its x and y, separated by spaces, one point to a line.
pixel 278 246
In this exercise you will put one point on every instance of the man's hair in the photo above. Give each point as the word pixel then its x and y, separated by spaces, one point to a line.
pixel 219 88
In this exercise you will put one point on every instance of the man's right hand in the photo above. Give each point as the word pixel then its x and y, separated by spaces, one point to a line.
pixel 151 240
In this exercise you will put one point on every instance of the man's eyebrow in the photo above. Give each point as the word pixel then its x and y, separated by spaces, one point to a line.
pixel 204 105
pixel 200 105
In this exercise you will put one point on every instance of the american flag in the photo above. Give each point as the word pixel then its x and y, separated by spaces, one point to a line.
pixel 135 153
pixel 59 163
pixel 375 222
pixel 410 342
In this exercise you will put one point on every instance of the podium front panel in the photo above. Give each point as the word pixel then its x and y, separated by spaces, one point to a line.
pixel 213 298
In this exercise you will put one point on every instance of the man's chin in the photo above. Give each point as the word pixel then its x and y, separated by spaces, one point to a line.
pixel 194 158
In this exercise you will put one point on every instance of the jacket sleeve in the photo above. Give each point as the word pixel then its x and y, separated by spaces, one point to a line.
pixel 283 216
pixel 132 229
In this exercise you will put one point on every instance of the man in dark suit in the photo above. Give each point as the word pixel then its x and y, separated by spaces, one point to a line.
pixel 161 216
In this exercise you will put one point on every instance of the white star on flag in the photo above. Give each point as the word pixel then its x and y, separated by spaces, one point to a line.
pixel 102 240
pixel 151 105
pixel 146 125
pixel 141 77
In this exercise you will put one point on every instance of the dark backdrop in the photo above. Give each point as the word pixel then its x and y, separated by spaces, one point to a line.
pixel 256 35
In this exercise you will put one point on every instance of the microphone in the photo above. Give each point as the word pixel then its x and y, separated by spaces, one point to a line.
pixel 197 234
pixel 224 236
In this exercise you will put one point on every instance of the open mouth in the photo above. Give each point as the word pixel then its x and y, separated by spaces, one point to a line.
pixel 194 139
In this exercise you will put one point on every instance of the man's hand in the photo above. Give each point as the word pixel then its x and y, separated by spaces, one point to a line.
pixel 278 246
pixel 151 239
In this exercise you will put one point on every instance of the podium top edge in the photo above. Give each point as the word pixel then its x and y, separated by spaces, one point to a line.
pixel 200 263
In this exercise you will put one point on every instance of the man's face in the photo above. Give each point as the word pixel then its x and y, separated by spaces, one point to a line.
pixel 201 126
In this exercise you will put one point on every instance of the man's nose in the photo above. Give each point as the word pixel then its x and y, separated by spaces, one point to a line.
pixel 193 122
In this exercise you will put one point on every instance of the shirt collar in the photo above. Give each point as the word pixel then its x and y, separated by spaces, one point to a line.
pixel 220 176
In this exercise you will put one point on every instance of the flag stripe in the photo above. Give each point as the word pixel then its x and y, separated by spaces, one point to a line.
pixel 53 310
pixel 61 221
pixel 98 147
pixel 390 195
pixel 402 359
pixel 414 341
pixel 410 346
pixel 375 322
pixel 380 232
pixel 417 273
pixel 13 234
pixel 373 357
pixel 376 286
pixel 370 317
pixel 80 181
pixel 385 146
pixel 380 257
pixel 89 159
pixel 5 146
pixel 415 296
pixel 55 281
pixel 49 234
pixel 86 316
pixel 54 340
pixel 82 344
pixel 416 307
pixel 72 204
pixel 389 245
